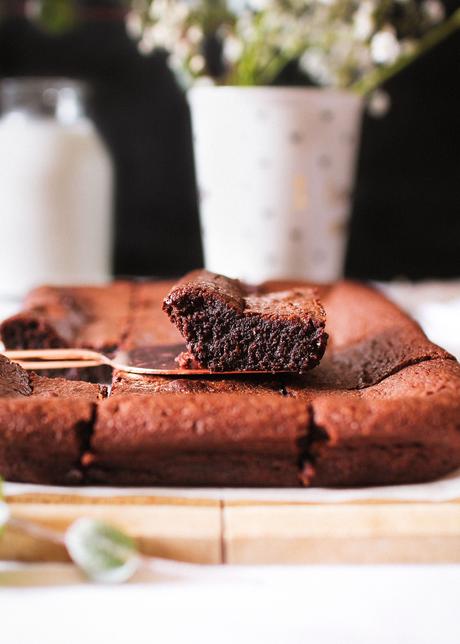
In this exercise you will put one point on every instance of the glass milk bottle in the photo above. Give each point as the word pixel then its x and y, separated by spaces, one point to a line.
pixel 55 188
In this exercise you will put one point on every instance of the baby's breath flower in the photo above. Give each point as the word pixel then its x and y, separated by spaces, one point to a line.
pixel 236 6
pixel 179 10
pixel 233 49
pixel 338 42
pixel 163 37
pixel 314 62
pixel 197 64
pixel 363 21
pixel 245 26
pixel 258 5
pixel 147 42
pixel 134 24
pixel 385 47
pixel 194 34
pixel 204 81
pixel 433 10
pixel 182 49
pixel 378 103
pixel 156 9
pixel 408 46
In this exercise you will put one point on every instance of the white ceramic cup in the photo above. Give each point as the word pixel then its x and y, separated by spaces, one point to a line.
pixel 275 169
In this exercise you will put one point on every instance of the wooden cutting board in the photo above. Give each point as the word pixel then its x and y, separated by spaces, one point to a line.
pixel 242 532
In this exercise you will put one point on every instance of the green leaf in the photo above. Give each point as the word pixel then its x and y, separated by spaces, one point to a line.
pixel 54 16
pixel 102 552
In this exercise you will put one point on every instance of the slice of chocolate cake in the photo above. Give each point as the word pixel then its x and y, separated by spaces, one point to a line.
pixel 229 328
pixel 91 317
pixel 202 439
pixel 14 380
pixel 45 425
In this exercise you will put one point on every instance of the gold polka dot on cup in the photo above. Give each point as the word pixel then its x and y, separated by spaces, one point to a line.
pixel 296 137
pixel 326 115
pixel 324 161
pixel 268 213
pixel 295 235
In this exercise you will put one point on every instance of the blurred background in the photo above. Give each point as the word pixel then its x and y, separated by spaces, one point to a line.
pixel 406 208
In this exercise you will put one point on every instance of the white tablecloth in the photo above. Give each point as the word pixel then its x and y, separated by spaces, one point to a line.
pixel 51 604
pixel 273 605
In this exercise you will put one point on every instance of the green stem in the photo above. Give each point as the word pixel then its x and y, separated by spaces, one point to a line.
pixel 376 77
pixel 267 74
pixel 36 530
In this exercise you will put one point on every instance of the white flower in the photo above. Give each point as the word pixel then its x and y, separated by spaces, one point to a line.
pixel 204 81
pixel 233 48
pixel 434 10
pixel 182 49
pixel 379 103
pixel 157 8
pixel 162 36
pixel 175 61
pixel 335 39
pixel 314 62
pixel 408 46
pixel 258 5
pixel 385 47
pixel 236 6
pixel 363 21
pixel 194 34
pixel 245 26
pixel 134 24
pixel 196 64
pixel 147 42
pixel 181 10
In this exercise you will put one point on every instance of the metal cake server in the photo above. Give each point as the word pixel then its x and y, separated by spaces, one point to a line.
pixel 157 360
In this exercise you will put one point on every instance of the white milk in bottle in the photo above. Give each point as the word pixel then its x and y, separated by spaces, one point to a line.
pixel 55 188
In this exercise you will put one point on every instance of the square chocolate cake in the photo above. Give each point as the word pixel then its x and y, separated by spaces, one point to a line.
pixel 382 407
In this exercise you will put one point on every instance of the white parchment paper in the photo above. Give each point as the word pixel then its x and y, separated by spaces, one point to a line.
pixel 446 489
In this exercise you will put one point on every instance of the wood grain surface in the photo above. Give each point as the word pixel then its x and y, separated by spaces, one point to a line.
pixel 243 532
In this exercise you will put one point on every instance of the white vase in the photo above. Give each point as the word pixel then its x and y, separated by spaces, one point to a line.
pixel 275 169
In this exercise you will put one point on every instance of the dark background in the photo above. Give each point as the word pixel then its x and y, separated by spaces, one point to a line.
pixel 406 211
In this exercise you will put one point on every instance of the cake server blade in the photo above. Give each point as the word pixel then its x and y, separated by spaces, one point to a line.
pixel 158 360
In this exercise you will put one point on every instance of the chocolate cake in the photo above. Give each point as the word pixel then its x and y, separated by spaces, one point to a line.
pixel 227 327
pixel 392 432
pixel 14 381
pixel 370 338
pixel 367 436
pixel 218 439
pixel 383 407
pixel 45 425
pixel 93 317
pixel 148 326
